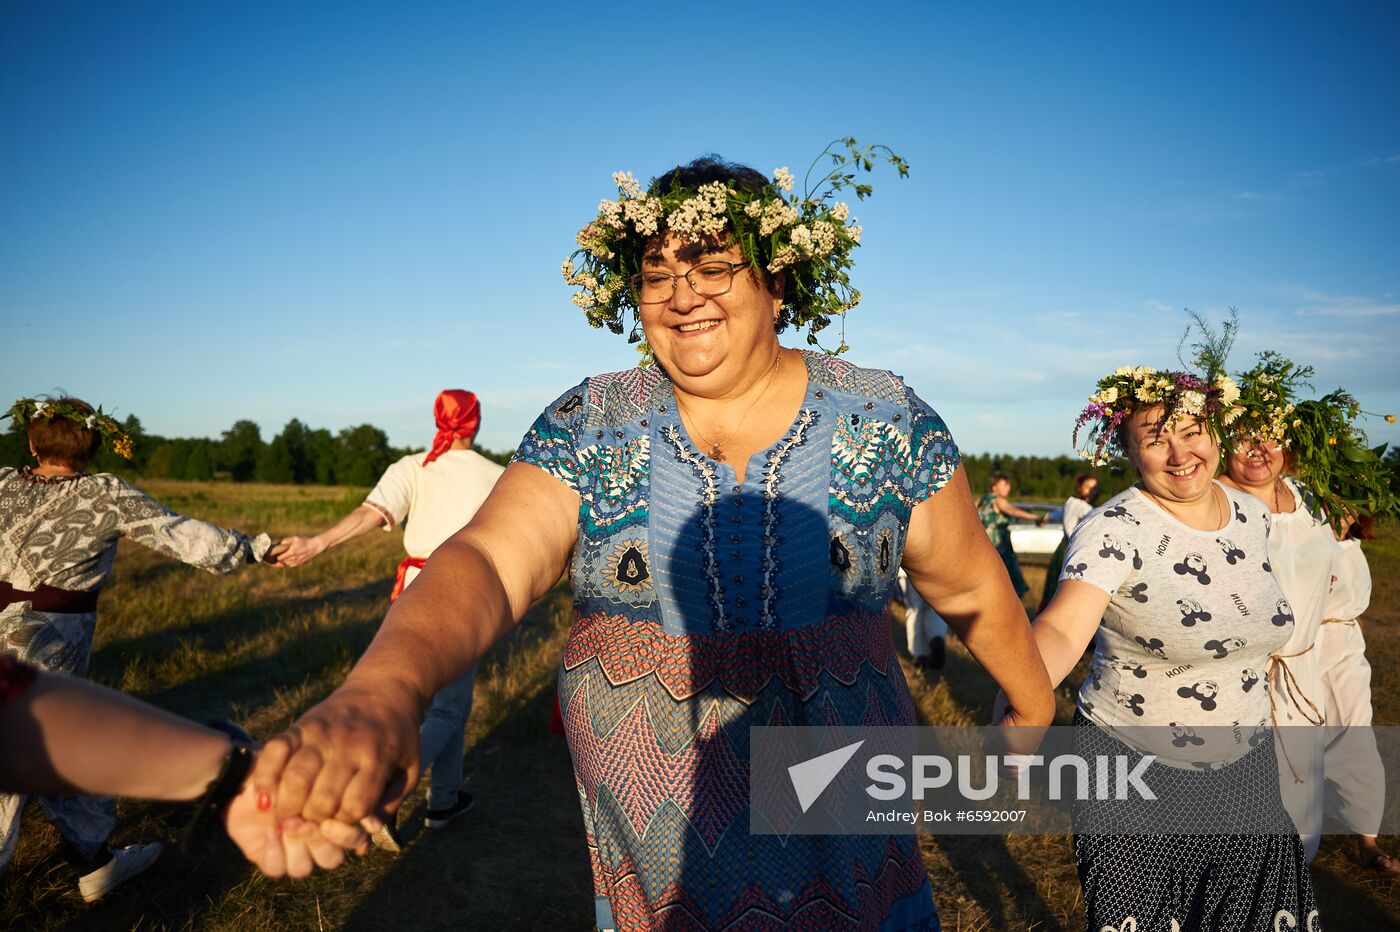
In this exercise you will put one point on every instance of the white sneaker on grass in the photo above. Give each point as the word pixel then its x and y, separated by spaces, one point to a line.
pixel 126 863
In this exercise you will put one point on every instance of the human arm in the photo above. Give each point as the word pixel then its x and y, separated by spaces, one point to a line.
pixel 358 749
pixel 953 565
pixel 298 550
pixel 145 521
pixel 67 735
pixel 1067 626
pixel 1004 506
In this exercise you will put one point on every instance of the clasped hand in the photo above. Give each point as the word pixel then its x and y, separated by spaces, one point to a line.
pixel 333 776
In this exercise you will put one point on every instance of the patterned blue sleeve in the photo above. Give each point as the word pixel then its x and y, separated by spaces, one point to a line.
pixel 551 443
pixel 933 456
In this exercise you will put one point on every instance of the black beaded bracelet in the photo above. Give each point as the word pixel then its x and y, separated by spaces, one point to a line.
pixel 222 789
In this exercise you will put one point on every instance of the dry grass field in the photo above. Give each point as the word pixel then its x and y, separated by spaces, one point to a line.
pixel 263 644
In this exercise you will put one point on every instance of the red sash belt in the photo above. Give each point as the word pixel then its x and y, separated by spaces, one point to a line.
pixel 48 599
pixel 418 562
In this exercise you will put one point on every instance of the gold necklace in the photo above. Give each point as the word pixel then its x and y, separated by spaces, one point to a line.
pixel 716 451
pixel 1218 519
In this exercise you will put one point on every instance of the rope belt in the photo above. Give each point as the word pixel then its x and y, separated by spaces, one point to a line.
pixel 48 599
pixel 1289 682
pixel 1339 621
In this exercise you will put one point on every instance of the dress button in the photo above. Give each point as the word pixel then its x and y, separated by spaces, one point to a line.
pixel 644 421
pixel 738 580
pixel 618 434
pixel 737 500
pixel 736 520
pixel 736 554
pixel 870 406
pixel 661 410
pixel 737 489
pixel 741 601
pixel 820 394
pixel 734 538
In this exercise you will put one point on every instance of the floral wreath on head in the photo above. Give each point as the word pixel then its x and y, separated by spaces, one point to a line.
pixel 26 410
pixel 807 239
pixel 1128 390
pixel 1331 457
pixel 1210 396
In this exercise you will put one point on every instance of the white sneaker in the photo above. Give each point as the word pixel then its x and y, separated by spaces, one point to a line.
pixel 126 863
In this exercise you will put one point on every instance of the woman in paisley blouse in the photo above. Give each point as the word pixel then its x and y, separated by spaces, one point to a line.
pixel 732 519
pixel 59 528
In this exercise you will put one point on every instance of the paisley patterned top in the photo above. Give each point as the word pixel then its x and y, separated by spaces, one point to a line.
pixel 704 606
pixel 64 535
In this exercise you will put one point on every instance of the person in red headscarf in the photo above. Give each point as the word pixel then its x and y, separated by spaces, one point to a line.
pixel 433 496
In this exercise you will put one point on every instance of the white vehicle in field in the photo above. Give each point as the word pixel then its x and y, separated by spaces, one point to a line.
pixel 1028 540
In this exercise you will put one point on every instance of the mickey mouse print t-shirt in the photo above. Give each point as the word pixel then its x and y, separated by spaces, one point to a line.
pixel 1191 620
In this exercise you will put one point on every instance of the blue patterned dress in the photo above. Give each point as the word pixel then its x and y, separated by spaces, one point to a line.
pixel 704 606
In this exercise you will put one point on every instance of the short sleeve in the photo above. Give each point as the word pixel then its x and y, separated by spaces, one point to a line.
pixel 1098 553
pixel 551 443
pixel 392 496
pixel 934 456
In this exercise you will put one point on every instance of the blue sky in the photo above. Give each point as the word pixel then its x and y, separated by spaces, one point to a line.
pixel 212 211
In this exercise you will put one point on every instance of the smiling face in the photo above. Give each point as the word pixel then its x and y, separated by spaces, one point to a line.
pixel 1255 463
pixel 710 344
pixel 1175 462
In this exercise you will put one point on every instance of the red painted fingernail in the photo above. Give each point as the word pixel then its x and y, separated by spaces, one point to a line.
pixel 264 801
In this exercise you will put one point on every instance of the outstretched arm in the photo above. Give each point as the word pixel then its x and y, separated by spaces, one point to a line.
pixel 358 749
pixel 294 551
pixel 67 735
pixel 149 523
pixel 1005 507
pixel 952 563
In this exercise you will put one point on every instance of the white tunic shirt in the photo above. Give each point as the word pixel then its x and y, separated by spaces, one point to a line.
pixel 433 502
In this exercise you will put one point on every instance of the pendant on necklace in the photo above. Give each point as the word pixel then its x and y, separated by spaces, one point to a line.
pixel 716 453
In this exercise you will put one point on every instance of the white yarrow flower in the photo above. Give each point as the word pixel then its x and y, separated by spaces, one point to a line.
pixel 839 212
pixel 90 421
pixel 783 177
pixel 1193 402
pixel 627 184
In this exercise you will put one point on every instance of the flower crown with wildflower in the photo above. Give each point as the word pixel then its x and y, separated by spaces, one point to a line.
pixel 26 410
pixel 1208 394
pixel 1127 390
pixel 807 239
pixel 1331 457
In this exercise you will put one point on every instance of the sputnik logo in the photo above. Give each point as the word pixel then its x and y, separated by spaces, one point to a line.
pixel 811 777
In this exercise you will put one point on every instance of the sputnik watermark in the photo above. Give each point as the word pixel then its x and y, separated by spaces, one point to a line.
pixel 1090 780
pixel 1100 777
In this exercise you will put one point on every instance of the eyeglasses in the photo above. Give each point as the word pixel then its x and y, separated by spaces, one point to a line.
pixel 708 279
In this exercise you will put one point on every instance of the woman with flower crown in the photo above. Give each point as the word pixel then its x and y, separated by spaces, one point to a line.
pixel 60 531
pixel 1307 462
pixel 1169 580
pixel 732 517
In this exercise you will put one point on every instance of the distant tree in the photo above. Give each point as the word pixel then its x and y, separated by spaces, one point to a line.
pixel 321 453
pixel 199 460
pixel 14 448
pixel 239 450
pixel 275 462
pixel 362 455
pixel 296 436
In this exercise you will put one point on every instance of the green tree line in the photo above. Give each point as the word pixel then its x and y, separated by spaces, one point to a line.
pixel 298 455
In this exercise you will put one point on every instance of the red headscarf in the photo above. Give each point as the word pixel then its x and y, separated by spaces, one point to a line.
pixel 458 414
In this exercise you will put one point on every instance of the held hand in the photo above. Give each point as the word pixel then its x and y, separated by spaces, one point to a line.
pixel 348 758
pixel 294 551
pixel 295 847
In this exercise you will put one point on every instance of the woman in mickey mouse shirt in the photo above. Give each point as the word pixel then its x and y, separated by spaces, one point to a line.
pixel 1170 580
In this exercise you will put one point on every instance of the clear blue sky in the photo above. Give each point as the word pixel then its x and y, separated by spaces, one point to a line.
pixel 212 211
